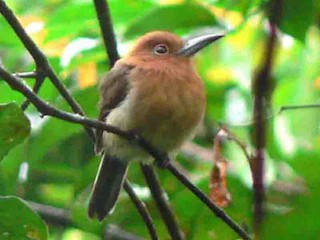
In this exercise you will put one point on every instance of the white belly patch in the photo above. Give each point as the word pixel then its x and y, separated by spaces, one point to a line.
pixel 118 146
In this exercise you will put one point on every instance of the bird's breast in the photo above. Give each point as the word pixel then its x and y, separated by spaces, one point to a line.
pixel 167 107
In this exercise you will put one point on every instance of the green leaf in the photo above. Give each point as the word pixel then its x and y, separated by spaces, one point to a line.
pixel 19 222
pixel 15 127
pixel 172 18
pixel 297 16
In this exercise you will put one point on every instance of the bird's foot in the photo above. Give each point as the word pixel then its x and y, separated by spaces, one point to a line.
pixel 162 160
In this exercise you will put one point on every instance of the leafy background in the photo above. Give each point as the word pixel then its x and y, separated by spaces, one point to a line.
pixel 54 164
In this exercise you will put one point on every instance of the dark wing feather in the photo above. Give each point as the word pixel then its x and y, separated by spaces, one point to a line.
pixel 113 90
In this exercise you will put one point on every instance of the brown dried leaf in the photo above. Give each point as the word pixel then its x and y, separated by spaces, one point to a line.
pixel 219 193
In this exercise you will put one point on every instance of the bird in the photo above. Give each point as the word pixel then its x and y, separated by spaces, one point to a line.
pixel 154 91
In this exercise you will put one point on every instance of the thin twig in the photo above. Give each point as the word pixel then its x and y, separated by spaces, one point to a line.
pixel 37 85
pixel 273 115
pixel 203 198
pixel 295 107
pixel 162 203
pixel 250 123
pixel 26 74
pixel 143 210
pixel 240 143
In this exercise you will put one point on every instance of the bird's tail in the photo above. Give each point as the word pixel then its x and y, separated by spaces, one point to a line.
pixel 107 186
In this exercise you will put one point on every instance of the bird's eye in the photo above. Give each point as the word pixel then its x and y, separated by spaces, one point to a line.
pixel 161 49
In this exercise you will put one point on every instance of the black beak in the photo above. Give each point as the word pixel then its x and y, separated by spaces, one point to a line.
pixel 194 45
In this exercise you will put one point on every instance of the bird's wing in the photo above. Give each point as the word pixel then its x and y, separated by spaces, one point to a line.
pixel 113 90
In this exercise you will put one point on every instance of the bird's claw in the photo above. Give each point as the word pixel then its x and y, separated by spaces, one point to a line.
pixel 163 161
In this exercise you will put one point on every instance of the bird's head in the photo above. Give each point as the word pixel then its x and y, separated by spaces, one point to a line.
pixel 160 45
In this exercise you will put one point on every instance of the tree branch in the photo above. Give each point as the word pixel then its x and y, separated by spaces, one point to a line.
pixel 203 198
pixel 162 203
pixel 262 90
pixel 230 135
pixel 143 210
pixel 106 27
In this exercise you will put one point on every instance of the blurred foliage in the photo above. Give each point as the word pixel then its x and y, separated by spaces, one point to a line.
pixel 19 222
pixel 55 164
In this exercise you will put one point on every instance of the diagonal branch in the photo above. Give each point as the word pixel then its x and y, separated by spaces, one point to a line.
pixel 162 203
pixel 44 108
pixel 242 145
pixel 219 212
pixel 143 210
